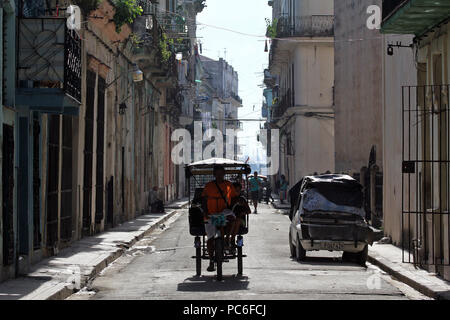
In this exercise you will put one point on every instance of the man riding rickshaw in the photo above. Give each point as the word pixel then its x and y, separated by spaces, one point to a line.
pixel 218 211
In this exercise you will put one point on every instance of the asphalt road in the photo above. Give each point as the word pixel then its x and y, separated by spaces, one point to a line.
pixel 160 267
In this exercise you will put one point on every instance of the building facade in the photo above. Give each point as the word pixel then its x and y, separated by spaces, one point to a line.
pixel 358 86
pixel 87 117
pixel 300 79
pixel 419 219
pixel 220 103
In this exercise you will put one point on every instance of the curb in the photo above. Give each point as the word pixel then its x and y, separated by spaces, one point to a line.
pixel 276 206
pixel 387 267
pixel 65 291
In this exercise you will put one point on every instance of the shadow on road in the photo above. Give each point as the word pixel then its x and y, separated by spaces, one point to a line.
pixel 209 283
pixel 321 261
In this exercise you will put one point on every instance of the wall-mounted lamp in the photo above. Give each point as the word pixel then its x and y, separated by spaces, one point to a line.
pixel 390 48
pixel 138 75
pixel 122 108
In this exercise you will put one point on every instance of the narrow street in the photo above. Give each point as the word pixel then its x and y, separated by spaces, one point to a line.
pixel 124 124
pixel 160 267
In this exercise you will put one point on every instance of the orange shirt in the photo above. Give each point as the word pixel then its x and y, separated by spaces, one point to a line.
pixel 215 201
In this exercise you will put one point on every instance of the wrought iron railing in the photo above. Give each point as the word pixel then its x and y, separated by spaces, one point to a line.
pixel 148 7
pixel 39 9
pixel 72 68
pixel 306 26
pixel 236 97
pixel 280 107
pixel 269 79
pixel 49 56
pixel 171 23
pixel 235 124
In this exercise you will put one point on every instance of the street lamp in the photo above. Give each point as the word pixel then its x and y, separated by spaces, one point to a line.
pixel 138 75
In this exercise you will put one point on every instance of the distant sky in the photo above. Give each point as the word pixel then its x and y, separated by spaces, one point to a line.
pixel 245 53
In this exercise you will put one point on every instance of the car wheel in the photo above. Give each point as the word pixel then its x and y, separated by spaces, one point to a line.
pixel 300 252
pixel 292 247
pixel 361 257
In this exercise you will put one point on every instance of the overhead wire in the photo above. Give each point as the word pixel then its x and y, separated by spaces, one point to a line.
pixel 198 23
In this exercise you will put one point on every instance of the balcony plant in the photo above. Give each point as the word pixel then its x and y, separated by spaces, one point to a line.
pixel 165 46
pixel 135 41
pixel 272 26
pixel 126 12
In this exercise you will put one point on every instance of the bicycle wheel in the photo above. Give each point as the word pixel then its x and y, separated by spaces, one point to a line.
pixel 218 248
pixel 198 256
pixel 239 255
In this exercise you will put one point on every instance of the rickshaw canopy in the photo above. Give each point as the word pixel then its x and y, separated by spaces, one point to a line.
pixel 213 161
pixel 205 167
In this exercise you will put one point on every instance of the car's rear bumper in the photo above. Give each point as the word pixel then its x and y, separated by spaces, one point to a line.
pixel 352 231
pixel 348 246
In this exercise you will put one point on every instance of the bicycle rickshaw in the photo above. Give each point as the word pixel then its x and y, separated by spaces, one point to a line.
pixel 198 174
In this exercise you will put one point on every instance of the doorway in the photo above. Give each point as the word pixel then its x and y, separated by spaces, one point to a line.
pixel 8 194
pixel 88 153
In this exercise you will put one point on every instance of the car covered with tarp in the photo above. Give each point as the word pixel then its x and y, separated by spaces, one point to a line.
pixel 329 215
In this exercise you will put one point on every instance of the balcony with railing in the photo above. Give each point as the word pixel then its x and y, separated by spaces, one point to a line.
pixel 269 79
pixel 49 63
pixel 413 16
pixel 234 124
pixel 236 97
pixel 306 26
pixel 162 34
pixel 281 106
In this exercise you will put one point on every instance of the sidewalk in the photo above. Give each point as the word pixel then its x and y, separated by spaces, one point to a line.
pixel 57 277
pixel 177 204
pixel 389 258
pixel 283 206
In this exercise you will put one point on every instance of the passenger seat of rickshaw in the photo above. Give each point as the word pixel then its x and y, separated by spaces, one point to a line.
pixel 196 221
pixel 198 196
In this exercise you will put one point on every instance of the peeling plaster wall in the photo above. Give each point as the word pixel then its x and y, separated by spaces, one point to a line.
pixel 358 86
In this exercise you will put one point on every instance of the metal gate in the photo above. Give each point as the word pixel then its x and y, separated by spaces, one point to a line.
pixel 425 174
pixel 8 194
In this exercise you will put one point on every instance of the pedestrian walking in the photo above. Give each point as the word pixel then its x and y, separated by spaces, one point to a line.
pixel 254 190
pixel 268 192
pixel 283 188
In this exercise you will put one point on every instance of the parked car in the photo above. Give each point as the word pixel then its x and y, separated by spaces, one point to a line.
pixel 329 215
